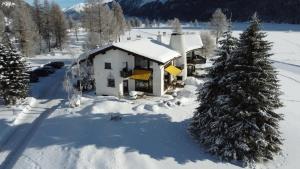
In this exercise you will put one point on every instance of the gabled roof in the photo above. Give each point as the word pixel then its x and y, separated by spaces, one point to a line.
pixel 151 49
pixel 147 48
pixel 192 42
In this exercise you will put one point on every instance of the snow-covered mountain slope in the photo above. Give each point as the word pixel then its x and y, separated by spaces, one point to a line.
pixel 80 6
pixel 75 10
pixel 77 7
pixel 142 2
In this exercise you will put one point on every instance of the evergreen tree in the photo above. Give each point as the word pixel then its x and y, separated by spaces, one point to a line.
pixel 236 118
pixel 14 80
pixel 228 45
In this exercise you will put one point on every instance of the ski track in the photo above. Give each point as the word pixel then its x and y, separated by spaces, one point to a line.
pixel 16 143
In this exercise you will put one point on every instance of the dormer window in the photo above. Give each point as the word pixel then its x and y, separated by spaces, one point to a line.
pixel 107 65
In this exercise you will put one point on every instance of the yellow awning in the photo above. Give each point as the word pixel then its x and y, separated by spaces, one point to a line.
pixel 141 75
pixel 173 70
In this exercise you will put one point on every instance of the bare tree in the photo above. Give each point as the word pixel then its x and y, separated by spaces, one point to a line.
pixel 37 16
pixel 58 25
pixel 105 23
pixel 46 32
pixel 218 24
pixel 76 26
pixel 209 44
pixel 119 19
pixel 2 23
pixel 176 25
pixel 25 29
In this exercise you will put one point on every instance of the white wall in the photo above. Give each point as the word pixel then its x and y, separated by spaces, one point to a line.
pixel 117 59
pixel 158 79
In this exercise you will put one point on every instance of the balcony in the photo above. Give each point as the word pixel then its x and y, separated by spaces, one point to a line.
pixel 181 67
pixel 196 59
pixel 125 73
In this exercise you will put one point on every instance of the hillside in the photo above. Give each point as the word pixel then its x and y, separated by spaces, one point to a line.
pixel 269 10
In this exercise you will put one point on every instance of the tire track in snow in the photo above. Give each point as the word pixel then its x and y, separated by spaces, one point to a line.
pixel 19 138
pixel 290 65
pixel 289 77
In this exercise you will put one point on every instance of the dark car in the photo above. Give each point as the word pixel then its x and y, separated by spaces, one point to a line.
pixel 40 72
pixel 49 69
pixel 56 65
pixel 33 77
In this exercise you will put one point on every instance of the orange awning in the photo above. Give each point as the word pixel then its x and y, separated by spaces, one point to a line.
pixel 173 70
pixel 141 75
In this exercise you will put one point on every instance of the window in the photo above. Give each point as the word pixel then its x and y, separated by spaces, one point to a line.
pixel 110 82
pixel 107 65
pixel 144 86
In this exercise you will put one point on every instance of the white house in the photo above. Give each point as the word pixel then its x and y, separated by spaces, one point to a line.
pixel 146 65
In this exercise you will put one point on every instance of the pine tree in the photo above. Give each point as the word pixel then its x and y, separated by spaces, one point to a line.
pixel 228 45
pixel 14 80
pixel 236 118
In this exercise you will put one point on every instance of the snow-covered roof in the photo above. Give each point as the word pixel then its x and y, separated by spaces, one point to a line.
pixel 85 55
pixel 149 48
pixel 192 42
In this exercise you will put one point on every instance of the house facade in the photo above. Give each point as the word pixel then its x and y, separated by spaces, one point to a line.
pixel 148 66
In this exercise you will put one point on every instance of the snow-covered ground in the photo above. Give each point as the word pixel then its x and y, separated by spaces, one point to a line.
pixel 152 132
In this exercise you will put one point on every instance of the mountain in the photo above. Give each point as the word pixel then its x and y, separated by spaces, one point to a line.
pixel 286 11
pixel 279 11
pixel 76 10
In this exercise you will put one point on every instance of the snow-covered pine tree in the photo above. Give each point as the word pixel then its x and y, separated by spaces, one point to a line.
pixel 239 123
pixel 210 119
pixel 3 52
pixel 14 79
pixel 228 44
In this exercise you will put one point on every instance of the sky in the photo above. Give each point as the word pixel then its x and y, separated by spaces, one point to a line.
pixel 62 3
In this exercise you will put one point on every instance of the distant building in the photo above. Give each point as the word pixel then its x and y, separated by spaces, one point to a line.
pixel 146 65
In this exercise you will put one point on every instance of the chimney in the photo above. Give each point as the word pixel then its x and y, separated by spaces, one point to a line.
pixel 177 43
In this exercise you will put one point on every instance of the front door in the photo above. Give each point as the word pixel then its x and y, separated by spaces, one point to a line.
pixel 125 87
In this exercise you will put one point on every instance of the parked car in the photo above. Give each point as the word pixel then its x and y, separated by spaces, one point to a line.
pixel 49 69
pixel 33 77
pixel 56 65
pixel 40 72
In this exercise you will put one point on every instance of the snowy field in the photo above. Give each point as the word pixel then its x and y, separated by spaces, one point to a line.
pixel 153 131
